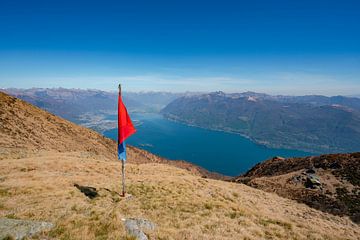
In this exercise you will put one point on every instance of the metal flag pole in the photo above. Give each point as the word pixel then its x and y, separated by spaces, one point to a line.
pixel 122 160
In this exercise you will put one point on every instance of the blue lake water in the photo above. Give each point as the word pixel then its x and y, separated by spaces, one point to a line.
pixel 226 153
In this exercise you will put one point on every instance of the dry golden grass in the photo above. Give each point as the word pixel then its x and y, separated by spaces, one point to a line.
pixel 42 156
pixel 183 205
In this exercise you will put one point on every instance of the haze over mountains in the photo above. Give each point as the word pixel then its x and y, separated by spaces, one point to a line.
pixel 310 123
pixel 70 103
pixel 90 108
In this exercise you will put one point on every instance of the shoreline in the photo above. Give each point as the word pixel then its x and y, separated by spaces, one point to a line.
pixel 259 143
pixel 267 145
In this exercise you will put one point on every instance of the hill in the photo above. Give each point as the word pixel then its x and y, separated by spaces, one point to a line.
pixel 276 122
pixel 25 127
pixel 38 180
pixel 330 183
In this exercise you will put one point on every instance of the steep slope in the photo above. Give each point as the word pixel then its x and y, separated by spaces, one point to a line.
pixel 301 126
pixel 25 127
pixel 330 182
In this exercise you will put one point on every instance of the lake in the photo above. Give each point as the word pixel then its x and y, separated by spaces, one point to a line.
pixel 226 153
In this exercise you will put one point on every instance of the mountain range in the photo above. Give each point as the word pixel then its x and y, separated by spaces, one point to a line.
pixel 48 165
pixel 315 124
pixel 312 123
pixel 70 103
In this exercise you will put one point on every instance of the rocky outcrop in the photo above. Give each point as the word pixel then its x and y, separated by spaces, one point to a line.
pixel 330 183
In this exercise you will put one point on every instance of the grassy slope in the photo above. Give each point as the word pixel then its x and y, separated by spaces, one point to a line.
pixel 183 205
pixel 42 156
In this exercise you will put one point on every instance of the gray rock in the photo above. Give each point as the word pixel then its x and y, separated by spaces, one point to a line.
pixel 312 181
pixel 135 227
pixel 18 229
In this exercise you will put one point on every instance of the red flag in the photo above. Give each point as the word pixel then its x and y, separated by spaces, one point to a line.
pixel 125 126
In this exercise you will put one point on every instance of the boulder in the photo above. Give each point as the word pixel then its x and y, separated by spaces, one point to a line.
pixel 135 226
pixel 312 181
pixel 19 229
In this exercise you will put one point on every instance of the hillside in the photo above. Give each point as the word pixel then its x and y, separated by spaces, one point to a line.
pixel 26 129
pixel 330 183
pixel 278 122
pixel 38 176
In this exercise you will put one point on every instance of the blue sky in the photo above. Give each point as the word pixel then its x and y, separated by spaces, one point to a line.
pixel 278 47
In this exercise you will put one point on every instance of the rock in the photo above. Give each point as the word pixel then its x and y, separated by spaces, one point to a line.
pixel 128 196
pixel 19 229
pixel 135 227
pixel 312 181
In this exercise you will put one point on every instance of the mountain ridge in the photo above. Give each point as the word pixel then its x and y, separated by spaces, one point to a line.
pixel 303 126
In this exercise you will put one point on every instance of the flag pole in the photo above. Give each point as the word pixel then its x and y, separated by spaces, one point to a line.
pixel 122 162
